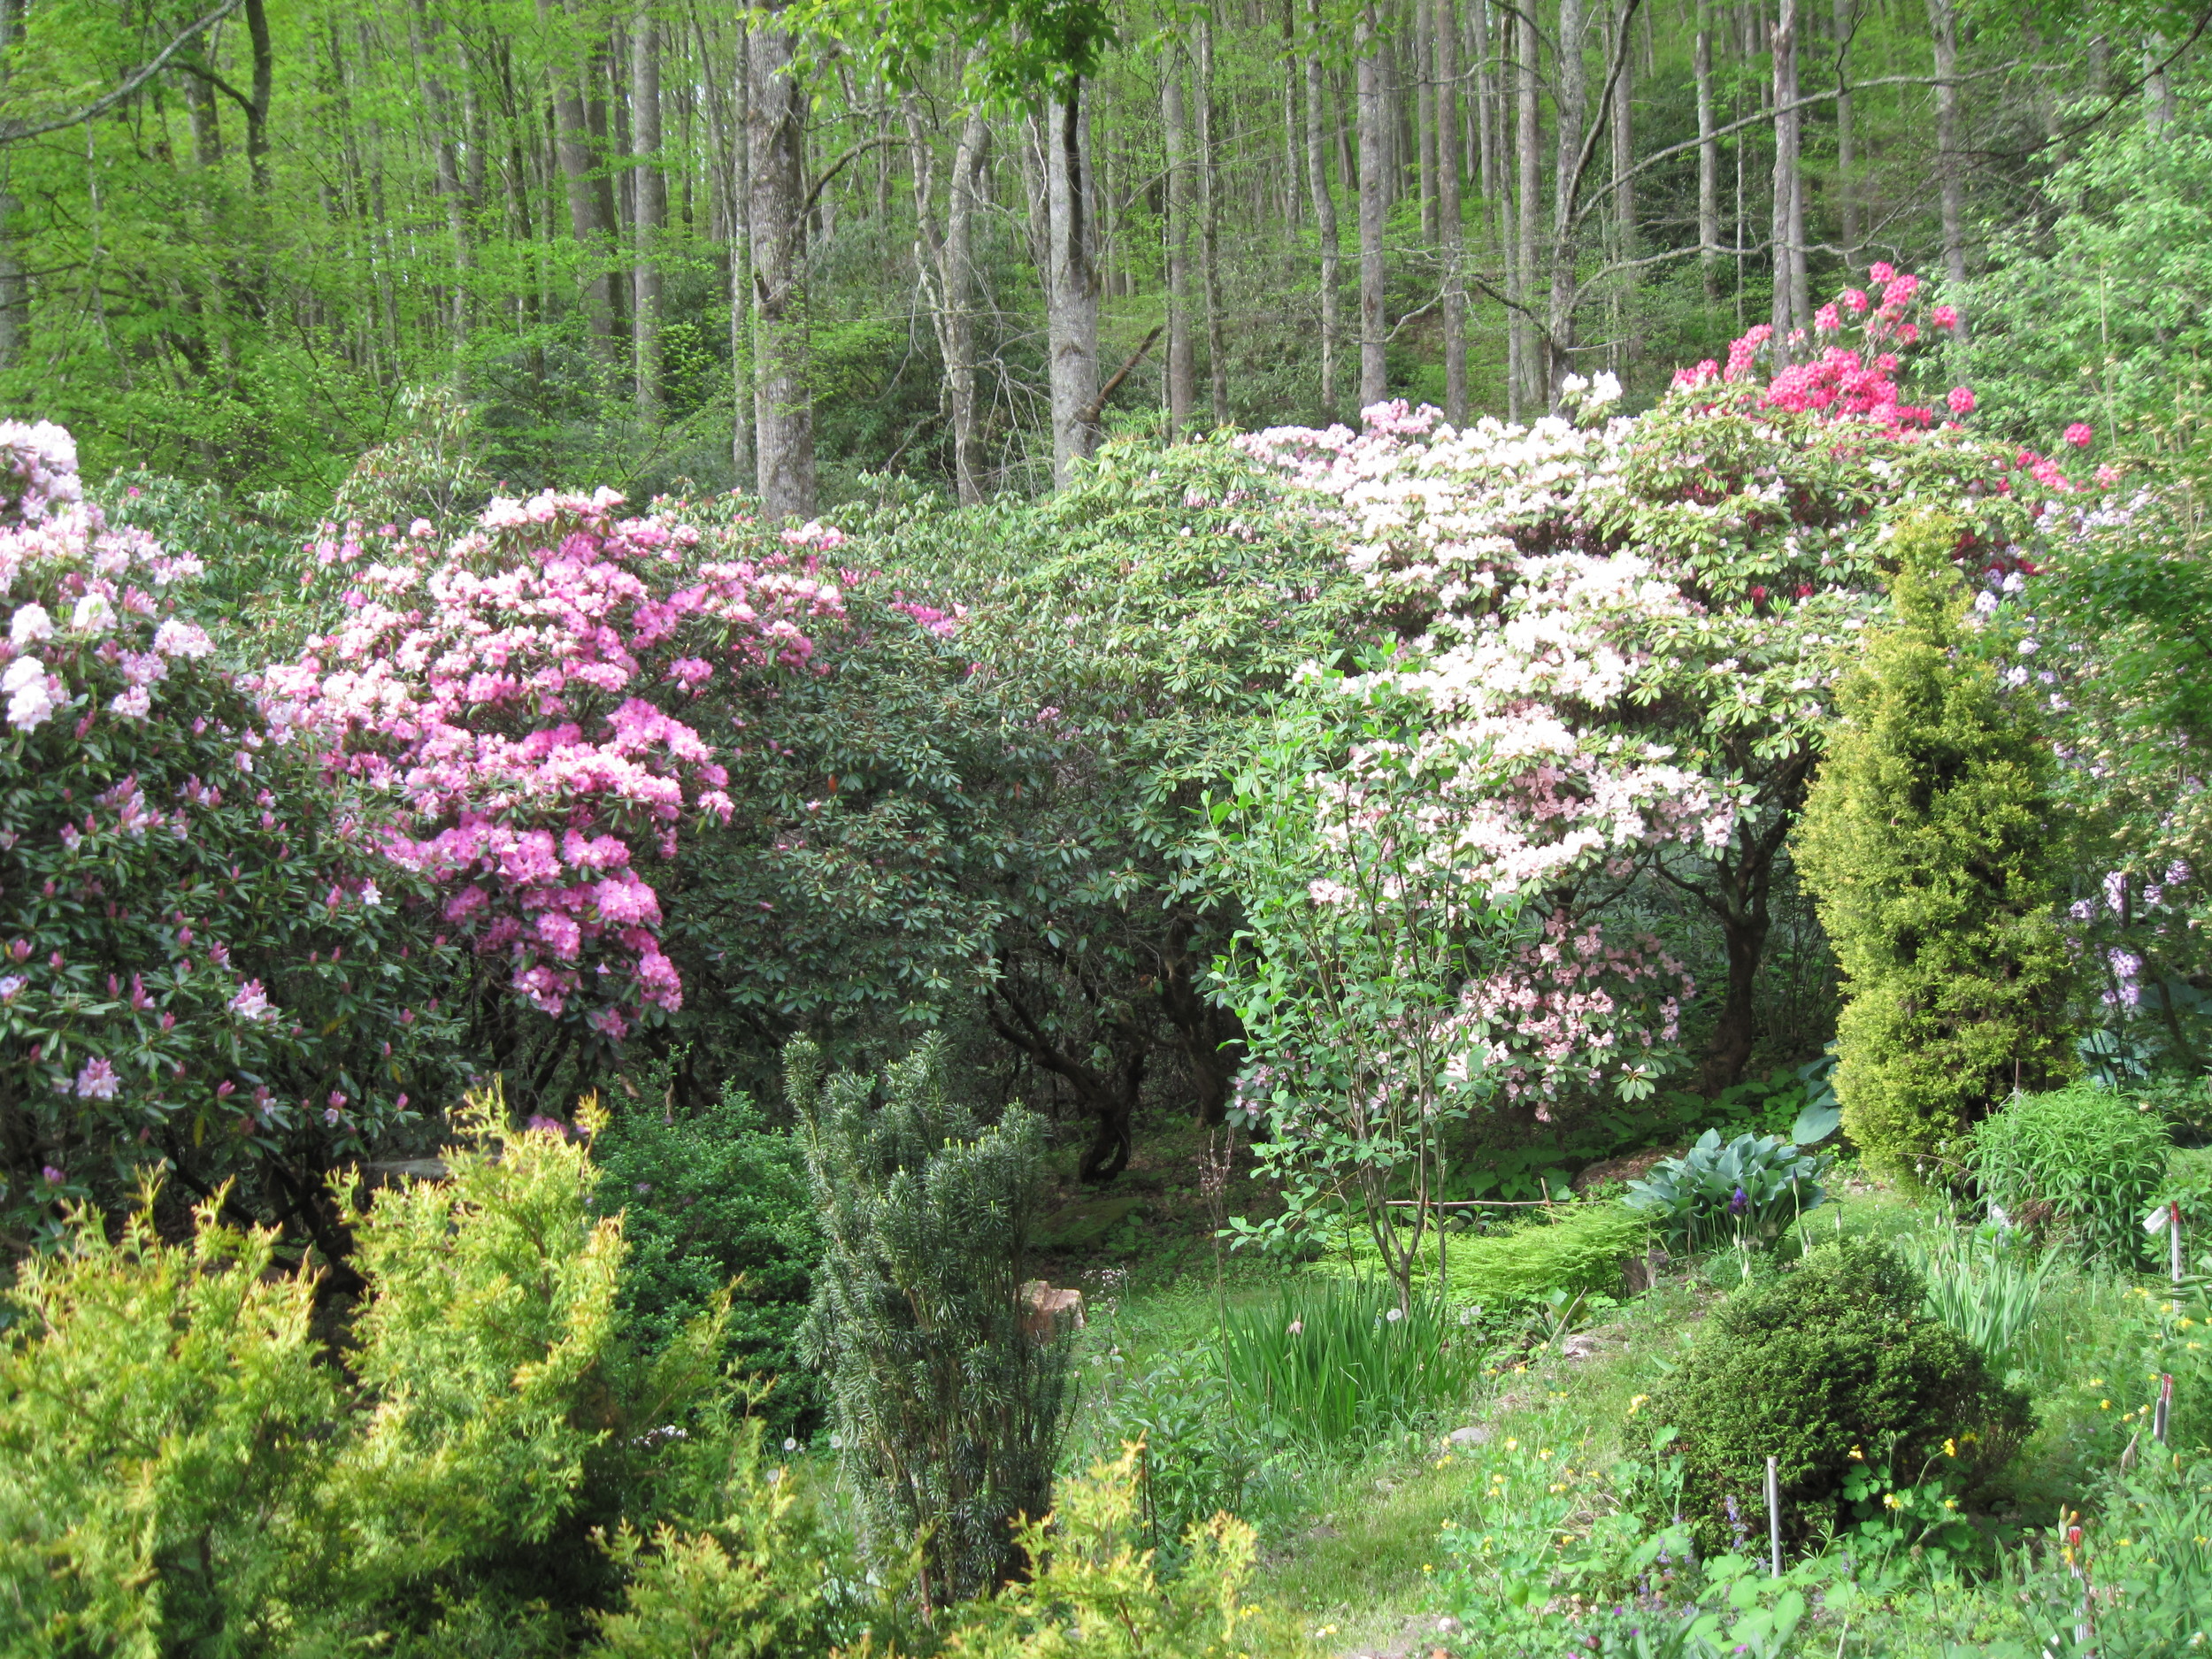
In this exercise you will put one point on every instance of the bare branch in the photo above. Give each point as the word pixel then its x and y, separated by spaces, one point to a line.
pixel 15 131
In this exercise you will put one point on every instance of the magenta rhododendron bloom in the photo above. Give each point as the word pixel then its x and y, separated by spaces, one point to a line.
pixel 1944 317
pixel 1960 400
pixel 2080 435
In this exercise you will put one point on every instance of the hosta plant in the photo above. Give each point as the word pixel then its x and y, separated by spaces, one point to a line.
pixel 1748 1190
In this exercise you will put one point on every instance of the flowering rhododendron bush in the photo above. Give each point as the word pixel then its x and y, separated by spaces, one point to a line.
pixel 203 958
pixel 1629 628
pixel 510 694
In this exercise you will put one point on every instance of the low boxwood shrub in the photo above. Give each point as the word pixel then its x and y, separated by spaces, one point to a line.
pixel 2080 1161
pixel 1828 1368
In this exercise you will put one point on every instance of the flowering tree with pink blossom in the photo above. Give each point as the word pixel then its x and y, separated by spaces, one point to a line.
pixel 203 963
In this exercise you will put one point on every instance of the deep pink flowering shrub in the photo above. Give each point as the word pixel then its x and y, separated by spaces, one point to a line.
pixel 545 704
pixel 201 961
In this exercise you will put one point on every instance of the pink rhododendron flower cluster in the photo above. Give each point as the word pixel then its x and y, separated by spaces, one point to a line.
pixel 1574 1009
pixel 82 629
pixel 530 697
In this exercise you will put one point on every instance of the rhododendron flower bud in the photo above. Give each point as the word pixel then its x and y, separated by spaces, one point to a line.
pixel 1960 400
pixel 2080 435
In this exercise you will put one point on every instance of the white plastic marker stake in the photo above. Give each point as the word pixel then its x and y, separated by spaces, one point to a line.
pixel 1774 1519
pixel 2165 1406
pixel 2173 1237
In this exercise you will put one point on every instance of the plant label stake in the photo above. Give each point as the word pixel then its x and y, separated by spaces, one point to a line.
pixel 2173 1237
pixel 1774 1519
pixel 2165 1407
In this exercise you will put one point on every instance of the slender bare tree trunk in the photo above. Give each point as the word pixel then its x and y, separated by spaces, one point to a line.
pixel 2160 105
pixel 1708 159
pixel 573 130
pixel 1324 210
pixel 783 409
pixel 959 297
pixel 1847 194
pixel 1783 42
pixel 1623 134
pixel 1427 130
pixel 1374 172
pixel 425 30
pixel 1570 95
pixel 1448 215
pixel 1182 350
pixel 1943 26
pixel 1529 141
pixel 1209 227
pixel 1071 282
pixel 1294 124
pixel 738 183
pixel 651 216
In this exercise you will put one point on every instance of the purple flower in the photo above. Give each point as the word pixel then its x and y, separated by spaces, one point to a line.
pixel 97 1080
pixel 54 1177
pixel 1739 1202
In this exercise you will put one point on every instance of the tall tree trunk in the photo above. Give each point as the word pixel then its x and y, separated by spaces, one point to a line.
pixel 1324 210
pixel 1209 227
pixel 1294 124
pixel 744 460
pixel 947 269
pixel 1071 281
pixel 1572 97
pixel 1374 168
pixel 959 297
pixel 1427 130
pixel 1944 28
pixel 1707 160
pixel 1182 350
pixel 783 409
pixel 1448 213
pixel 1783 44
pixel 1846 193
pixel 424 30
pixel 652 210
pixel 1529 143
pixel 263 88
pixel 1624 134
pixel 572 126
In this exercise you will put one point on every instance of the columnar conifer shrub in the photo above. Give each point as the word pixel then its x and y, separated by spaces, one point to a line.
pixel 948 1412
pixel 1832 1366
pixel 204 957
pixel 1933 848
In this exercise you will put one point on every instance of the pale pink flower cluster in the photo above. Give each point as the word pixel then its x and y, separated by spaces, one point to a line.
pixel 503 690
pixel 78 620
pixel 1573 1011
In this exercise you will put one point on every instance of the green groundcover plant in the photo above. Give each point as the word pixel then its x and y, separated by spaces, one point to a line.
pixel 2080 1161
